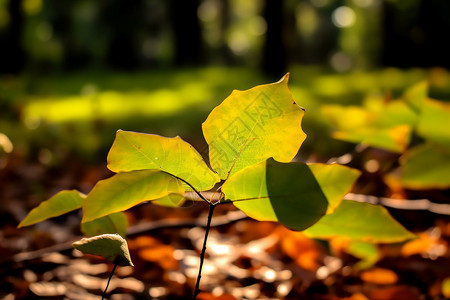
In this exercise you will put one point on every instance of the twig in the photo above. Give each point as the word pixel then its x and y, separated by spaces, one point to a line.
pixel 419 204
pixel 109 279
pixel 202 255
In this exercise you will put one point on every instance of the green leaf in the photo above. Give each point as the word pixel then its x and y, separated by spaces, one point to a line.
pixel 416 94
pixel 127 189
pixel 273 191
pixel 426 166
pixel 133 151
pixel 113 223
pixel 61 203
pixel 110 246
pixel 254 125
pixel 360 221
pixel 171 200
pixel 433 122
pixel 368 254
pixel 335 181
pixel 378 124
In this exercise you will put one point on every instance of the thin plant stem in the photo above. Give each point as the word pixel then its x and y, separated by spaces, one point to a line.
pixel 202 255
pixel 190 185
pixel 109 279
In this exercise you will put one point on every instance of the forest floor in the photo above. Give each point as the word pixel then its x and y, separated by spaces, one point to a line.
pixel 245 259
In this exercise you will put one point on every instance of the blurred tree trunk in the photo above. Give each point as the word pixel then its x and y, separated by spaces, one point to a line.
pixel 274 52
pixel 62 25
pixel 122 21
pixel 186 31
pixel 11 49
pixel 225 20
pixel 416 36
pixel 433 35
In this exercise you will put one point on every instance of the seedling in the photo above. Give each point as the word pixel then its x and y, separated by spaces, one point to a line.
pixel 252 136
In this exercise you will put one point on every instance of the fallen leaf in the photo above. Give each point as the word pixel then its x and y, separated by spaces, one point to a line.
pixel 303 250
pixel 379 276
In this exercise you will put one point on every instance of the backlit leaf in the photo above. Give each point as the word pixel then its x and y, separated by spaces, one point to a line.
pixel 433 122
pixel 425 166
pixel 127 189
pixel 61 203
pixel 113 223
pixel 273 191
pixel 335 181
pixel 378 124
pixel 110 246
pixel 254 125
pixel 416 94
pixel 139 151
pixel 171 200
pixel 360 221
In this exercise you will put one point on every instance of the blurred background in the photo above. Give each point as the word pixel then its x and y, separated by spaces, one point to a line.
pixel 74 72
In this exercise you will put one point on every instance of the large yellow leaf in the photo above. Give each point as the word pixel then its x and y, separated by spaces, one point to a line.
pixel 133 151
pixel 254 125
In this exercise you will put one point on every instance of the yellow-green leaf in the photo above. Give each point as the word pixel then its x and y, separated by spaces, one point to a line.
pixel 133 151
pixel 113 223
pixel 110 246
pixel 272 191
pixel 426 166
pixel 171 200
pixel 127 189
pixel 335 181
pixel 61 203
pixel 434 121
pixel 360 221
pixel 251 126
pixel 378 124
pixel 416 94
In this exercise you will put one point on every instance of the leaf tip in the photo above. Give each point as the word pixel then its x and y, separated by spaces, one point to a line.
pixel 285 78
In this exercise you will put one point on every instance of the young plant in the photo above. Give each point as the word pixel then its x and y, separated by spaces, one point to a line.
pixel 253 136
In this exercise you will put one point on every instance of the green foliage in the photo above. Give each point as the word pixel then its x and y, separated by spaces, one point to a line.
pixel 253 137
pixel 359 221
pixel 61 203
pixel 311 191
pixel 113 223
pixel 425 166
pixel 127 189
pixel 113 247
pixel 138 151
pixel 390 124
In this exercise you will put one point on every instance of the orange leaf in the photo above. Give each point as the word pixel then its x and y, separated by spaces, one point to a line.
pixel 303 250
pixel 151 249
pixel 379 276
pixel 162 255
pixel 395 293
